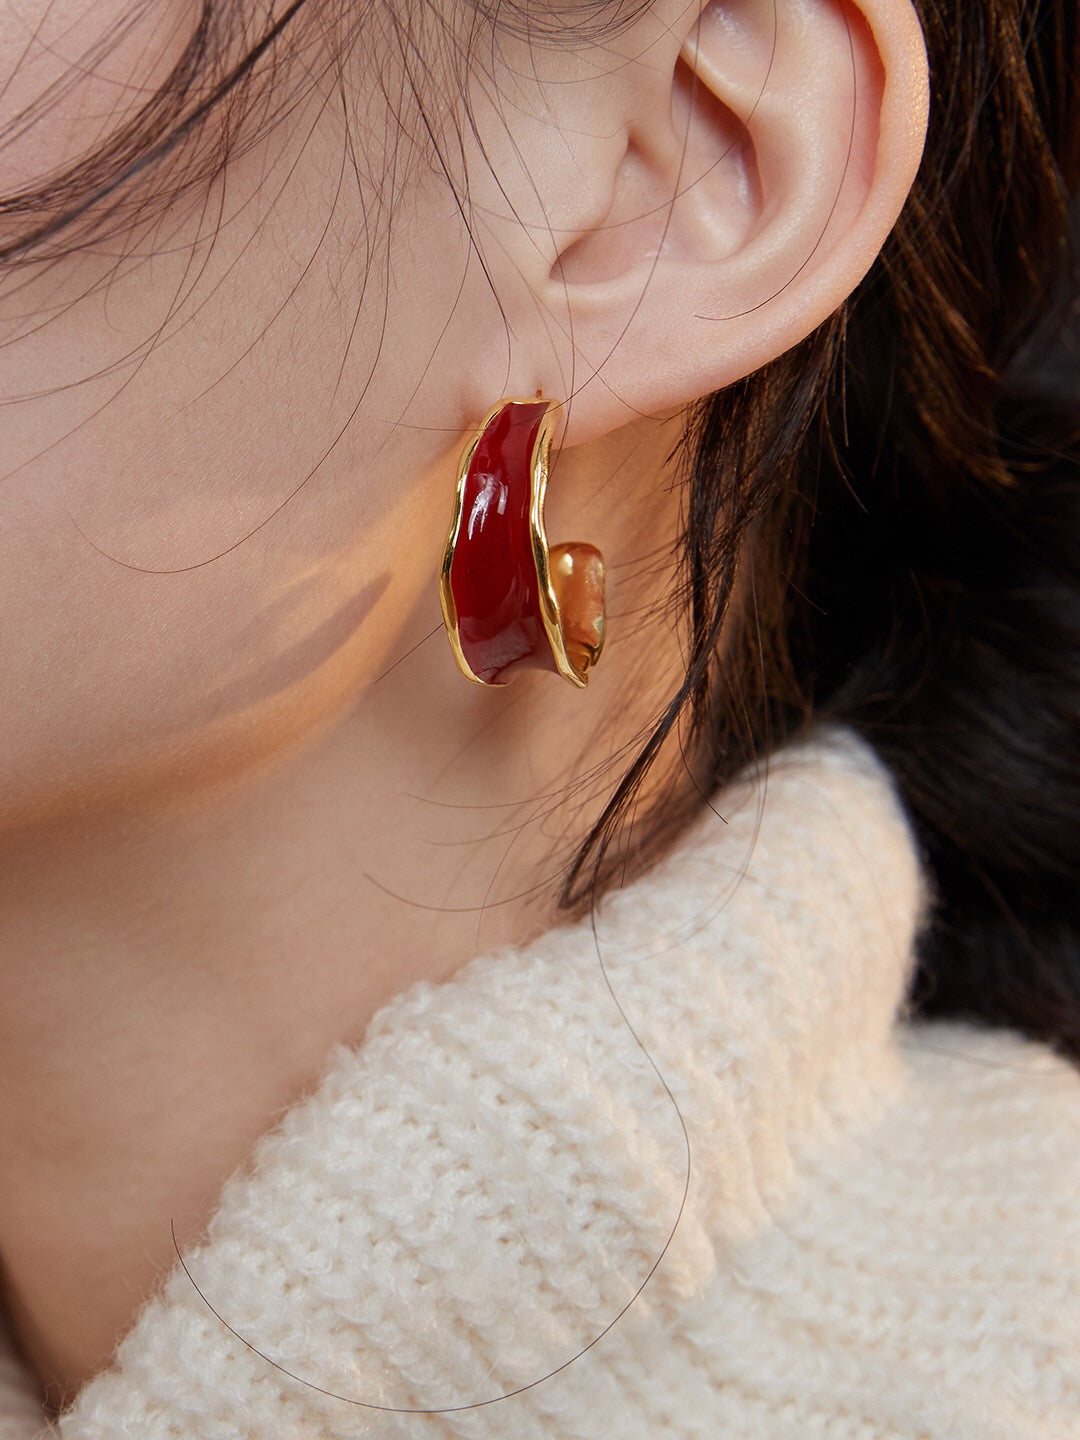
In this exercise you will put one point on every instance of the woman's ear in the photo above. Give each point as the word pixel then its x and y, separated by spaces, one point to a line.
pixel 701 193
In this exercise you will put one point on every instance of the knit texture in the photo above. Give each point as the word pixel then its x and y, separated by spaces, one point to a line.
pixel 874 1228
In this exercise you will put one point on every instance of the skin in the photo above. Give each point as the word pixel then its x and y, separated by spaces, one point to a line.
pixel 246 797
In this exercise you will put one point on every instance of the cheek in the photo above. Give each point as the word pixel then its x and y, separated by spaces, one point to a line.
pixel 78 73
pixel 117 683
pixel 207 551
pixel 226 466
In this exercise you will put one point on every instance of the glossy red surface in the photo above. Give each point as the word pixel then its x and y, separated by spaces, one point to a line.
pixel 493 574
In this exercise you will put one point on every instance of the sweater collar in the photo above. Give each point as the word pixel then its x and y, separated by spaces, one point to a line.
pixel 555 1145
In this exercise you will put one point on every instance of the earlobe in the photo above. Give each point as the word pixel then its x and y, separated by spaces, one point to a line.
pixel 758 180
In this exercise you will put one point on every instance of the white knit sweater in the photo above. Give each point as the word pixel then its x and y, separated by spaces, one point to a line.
pixel 881 1228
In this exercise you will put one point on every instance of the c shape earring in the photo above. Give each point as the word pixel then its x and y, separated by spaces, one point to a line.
pixel 507 599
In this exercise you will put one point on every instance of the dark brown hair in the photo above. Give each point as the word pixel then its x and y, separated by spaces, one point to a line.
pixel 898 496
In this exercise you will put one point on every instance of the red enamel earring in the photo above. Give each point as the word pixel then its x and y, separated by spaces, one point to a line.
pixel 507 599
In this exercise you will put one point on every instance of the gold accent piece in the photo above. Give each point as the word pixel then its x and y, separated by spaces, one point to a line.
pixel 577 573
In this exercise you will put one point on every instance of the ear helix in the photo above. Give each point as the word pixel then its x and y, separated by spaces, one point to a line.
pixel 508 601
